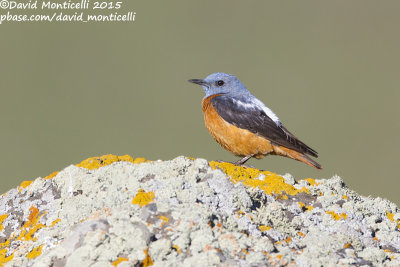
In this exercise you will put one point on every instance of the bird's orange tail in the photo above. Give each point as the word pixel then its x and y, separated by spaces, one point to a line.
pixel 286 152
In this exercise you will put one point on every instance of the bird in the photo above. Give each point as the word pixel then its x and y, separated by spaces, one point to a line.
pixel 244 125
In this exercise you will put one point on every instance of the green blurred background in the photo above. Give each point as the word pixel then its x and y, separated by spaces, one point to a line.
pixel 330 70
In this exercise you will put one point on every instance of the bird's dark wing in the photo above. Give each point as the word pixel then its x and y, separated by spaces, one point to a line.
pixel 250 116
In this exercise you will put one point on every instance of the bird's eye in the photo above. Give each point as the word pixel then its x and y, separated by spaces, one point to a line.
pixel 220 83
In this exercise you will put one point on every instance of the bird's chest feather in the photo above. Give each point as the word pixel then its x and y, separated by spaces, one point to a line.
pixel 239 141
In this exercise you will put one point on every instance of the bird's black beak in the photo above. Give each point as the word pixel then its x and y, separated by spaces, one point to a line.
pixel 199 82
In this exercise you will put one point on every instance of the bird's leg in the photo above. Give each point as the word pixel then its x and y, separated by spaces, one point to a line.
pixel 243 160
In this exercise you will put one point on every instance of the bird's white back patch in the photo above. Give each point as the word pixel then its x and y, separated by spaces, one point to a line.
pixel 257 104
pixel 268 111
pixel 245 105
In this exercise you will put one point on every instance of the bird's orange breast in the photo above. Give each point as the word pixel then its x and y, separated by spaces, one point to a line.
pixel 240 142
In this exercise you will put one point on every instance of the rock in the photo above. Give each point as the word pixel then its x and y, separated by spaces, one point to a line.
pixel 131 212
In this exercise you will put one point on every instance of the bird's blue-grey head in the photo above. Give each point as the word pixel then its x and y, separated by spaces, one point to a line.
pixel 221 83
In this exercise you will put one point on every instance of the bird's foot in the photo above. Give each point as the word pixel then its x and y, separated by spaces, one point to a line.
pixel 243 160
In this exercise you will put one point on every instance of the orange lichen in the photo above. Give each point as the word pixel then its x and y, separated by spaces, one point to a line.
pixel 307 208
pixel 51 175
pixel 240 213
pixel 36 252
pixel 24 184
pixel 264 228
pixel 147 261
pixel 336 216
pixel 132 160
pixel 165 219
pixel 2 218
pixel 27 231
pixel 270 183
pixel 376 239
pixel 311 181
pixel 347 245
pixel 345 197
pixel 177 249
pixel 288 239
pixel 118 261
pixel 283 197
pixel 3 258
pixel 97 162
pixel 55 222
pixel 31 226
pixel 301 234
pixel 91 164
pixel 390 216
pixel 143 198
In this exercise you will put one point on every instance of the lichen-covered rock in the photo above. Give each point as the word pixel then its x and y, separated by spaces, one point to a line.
pixel 120 211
